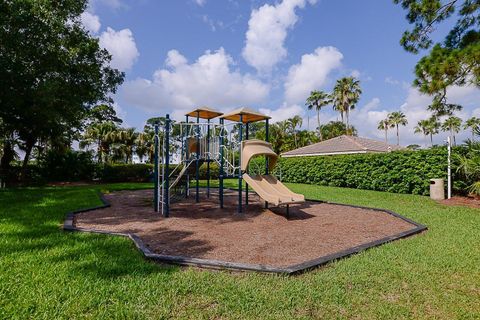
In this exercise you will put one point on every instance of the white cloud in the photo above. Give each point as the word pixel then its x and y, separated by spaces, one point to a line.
pixel 121 45
pixel 366 118
pixel 311 73
pixel 267 31
pixel 284 112
pixel 91 22
pixel 209 80
pixel 200 2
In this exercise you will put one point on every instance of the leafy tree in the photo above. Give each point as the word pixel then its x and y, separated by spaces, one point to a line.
pixel 456 61
pixel 124 143
pixel 473 124
pixel 293 123
pixel 52 70
pixel 423 127
pixel 432 127
pixel 470 165
pixel 103 113
pixel 317 100
pixel 336 128
pixel 384 125
pixel 142 145
pixel 102 135
pixel 396 119
pixel 413 147
pixel 452 125
pixel 346 94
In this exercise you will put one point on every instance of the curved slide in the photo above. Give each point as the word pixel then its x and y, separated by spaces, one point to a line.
pixel 266 186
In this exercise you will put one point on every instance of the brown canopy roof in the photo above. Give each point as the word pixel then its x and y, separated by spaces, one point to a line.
pixel 342 145
pixel 248 115
pixel 204 113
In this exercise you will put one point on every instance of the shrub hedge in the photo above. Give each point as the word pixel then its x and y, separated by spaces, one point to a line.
pixel 398 172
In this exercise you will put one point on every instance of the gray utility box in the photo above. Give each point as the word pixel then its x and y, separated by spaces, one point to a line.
pixel 437 189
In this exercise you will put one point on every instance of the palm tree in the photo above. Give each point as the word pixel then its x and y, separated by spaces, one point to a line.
pixel 473 124
pixel 422 127
pixel 318 100
pixel 433 126
pixel 346 94
pixel 293 123
pixel 453 125
pixel 396 119
pixel 384 125
pixel 125 139
pixel 142 144
pixel 101 134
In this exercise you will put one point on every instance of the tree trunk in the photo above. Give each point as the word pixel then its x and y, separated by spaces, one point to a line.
pixel 28 151
pixel 7 157
pixel 348 123
pixel 431 139
pixel 386 135
pixel 319 129
pixel 398 137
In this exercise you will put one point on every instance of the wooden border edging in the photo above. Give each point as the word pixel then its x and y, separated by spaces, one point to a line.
pixel 69 225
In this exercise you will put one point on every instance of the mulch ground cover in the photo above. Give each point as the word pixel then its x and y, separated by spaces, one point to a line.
pixel 257 236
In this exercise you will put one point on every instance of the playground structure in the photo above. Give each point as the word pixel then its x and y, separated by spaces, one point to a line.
pixel 225 143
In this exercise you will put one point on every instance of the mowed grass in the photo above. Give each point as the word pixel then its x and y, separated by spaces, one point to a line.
pixel 46 273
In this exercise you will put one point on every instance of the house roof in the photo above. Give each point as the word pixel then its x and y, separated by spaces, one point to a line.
pixel 248 115
pixel 204 113
pixel 342 145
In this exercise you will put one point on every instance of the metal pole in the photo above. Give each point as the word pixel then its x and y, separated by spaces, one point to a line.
pixel 220 176
pixel 208 158
pixel 197 164
pixel 449 182
pixel 266 158
pixel 156 171
pixel 246 184
pixel 166 200
pixel 186 157
pixel 240 135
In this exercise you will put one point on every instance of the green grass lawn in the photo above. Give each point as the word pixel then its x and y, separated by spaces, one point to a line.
pixel 48 273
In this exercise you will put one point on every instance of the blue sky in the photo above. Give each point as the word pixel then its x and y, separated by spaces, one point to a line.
pixel 179 54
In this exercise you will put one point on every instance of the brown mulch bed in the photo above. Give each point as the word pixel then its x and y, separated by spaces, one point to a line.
pixel 258 236
pixel 462 201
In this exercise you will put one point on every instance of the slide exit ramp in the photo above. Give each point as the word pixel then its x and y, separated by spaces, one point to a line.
pixel 273 191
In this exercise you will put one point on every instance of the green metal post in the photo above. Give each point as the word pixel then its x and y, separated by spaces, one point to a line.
pixel 208 158
pixel 266 158
pixel 221 173
pixel 166 199
pixel 197 164
pixel 240 135
pixel 246 184
pixel 156 192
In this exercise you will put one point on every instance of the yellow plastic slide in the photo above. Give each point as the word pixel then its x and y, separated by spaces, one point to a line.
pixel 266 186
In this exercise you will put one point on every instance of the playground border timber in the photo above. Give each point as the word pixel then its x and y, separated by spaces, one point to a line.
pixel 235 266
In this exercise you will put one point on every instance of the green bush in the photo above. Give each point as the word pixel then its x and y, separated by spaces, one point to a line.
pixel 68 166
pixel 398 172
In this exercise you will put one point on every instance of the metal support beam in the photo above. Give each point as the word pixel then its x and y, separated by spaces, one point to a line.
pixel 246 184
pixel 240 137
pixel 197 162
pixel 221 173
pixel 156 172
pixel 208 158
pixel 267 138
pixel 166 199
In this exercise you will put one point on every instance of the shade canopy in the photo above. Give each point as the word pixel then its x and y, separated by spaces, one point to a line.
pixel 204 113
pixel 247 115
